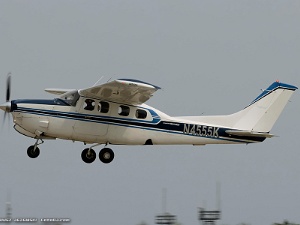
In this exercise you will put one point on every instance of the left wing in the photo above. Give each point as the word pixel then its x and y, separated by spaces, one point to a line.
pixel 58 91
pixel 126 91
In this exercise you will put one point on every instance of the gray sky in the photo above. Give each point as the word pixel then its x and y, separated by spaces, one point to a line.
pixel 210 57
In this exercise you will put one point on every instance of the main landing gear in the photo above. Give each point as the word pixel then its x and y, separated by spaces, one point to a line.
pixel 106 155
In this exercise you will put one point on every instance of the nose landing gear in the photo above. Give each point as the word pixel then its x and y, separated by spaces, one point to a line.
pixel 33 151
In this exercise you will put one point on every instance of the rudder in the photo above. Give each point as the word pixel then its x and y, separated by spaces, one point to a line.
pixel 262 113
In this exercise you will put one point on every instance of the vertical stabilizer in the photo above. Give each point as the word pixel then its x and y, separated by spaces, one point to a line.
pixel 262 113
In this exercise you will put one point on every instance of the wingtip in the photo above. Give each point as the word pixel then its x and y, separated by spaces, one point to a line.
pixel 140 82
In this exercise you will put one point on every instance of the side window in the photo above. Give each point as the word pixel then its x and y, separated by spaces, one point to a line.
pixel 103 107
pixel 141 114
pixel 89 104
pixel 123 110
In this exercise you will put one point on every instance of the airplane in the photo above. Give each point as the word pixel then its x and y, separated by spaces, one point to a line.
pixel 115 113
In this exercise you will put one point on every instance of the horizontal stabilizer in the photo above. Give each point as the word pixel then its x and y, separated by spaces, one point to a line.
pixel 249 133
pixel 58 91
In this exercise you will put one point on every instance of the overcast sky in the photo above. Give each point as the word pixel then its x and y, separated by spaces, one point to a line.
pixel 210 57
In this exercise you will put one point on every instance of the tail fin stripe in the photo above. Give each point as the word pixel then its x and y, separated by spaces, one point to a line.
pixel 273 87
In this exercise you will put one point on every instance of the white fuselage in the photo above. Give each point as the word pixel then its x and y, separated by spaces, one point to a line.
pixel 119 124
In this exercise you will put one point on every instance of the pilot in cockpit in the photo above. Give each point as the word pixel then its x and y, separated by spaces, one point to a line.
pixel 89 105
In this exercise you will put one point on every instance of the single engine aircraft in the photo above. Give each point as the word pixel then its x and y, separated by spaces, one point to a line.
pixel 115 113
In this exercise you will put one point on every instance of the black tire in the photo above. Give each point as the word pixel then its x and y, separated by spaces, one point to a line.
pixel 88 155
pixel 33 153
pixel 106 155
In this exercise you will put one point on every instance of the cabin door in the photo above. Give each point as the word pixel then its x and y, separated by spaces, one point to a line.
pixel 90 121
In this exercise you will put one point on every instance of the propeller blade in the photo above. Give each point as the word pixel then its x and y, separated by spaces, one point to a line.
pixel 7 105
pixel 3 120
pixel 8 84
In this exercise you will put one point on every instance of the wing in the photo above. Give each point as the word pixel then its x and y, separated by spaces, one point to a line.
pixel 58 91
pixel 126 91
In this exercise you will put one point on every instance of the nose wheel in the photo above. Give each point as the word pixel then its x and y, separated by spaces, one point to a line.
pixel 33 151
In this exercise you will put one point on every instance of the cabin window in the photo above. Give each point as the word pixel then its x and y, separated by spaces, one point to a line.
pixel 123 110
pixel 141 114
pixel 103 107
pixel 89 104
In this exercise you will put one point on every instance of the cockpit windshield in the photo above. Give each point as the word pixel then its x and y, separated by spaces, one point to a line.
pixel 70 98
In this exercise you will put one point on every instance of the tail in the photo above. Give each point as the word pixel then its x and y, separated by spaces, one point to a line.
pixel 262 113
pixel 258 118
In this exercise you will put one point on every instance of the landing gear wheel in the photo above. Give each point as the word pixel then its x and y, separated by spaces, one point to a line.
pixel 33 153
pixel 106 155
pixel 88 155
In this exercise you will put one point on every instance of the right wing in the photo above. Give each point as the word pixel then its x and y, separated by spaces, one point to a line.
pixel 125 91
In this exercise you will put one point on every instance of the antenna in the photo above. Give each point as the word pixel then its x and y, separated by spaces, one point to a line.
pixel 218 196
pixel 98 81
pixel 164 200
pixel 8 208
pixel 209 217
pixel 165 218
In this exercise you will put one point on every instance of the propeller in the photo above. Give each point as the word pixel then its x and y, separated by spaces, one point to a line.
pixel 7 105
pixel 8 84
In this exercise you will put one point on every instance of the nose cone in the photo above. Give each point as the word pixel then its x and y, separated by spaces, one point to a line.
pixel 6 106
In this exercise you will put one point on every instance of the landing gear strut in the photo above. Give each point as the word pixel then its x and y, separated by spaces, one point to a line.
pixel 33 151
